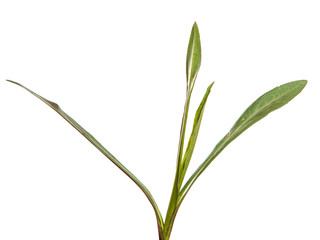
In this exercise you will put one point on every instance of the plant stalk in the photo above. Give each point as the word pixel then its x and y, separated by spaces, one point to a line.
pixel 175 190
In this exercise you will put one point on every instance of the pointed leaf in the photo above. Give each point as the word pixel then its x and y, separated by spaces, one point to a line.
pixel 193 136
pixel 193 57
pixel 193 65
pixel 175 189
pixel 267 103
pixel 91 139
pixel 264 105
pixel 182 168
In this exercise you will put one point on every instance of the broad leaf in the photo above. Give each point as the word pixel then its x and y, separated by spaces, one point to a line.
pixel 91 139
pixel 193 57
pixel 264 105
pixel 193 136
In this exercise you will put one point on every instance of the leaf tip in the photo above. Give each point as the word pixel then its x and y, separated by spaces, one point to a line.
pixel 195 29
pixel 209 87
pixel 13 82
pixel 10 81
pixel 195 25
pixel 301 84
pixel 304 82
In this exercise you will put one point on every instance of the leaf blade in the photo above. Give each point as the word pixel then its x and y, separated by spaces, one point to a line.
pixel 193 57
pixel 103 150
pixel 193 136
pixel 173 209
pixel 267 103
pixel 192 67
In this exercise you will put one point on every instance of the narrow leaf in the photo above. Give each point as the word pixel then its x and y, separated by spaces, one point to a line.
pixel 174 204
pixel 175 189
pixel 264 105
pixel 91 139
pixel 193 57
pixel 193 136
pixel 192 68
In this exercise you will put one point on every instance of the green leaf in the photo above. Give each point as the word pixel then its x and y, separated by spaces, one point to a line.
pixel 193 57
pixel 268 102
pixel 91 139
pixel 174 205
pixel 192 68
pixel 264 105
pixel 193 136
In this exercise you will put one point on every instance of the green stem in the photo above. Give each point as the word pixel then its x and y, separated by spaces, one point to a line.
pixel 171 212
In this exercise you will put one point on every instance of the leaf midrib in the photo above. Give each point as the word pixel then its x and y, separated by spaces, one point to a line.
pixel 191 62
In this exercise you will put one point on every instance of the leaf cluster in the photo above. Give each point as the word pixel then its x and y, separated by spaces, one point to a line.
pixel 268 102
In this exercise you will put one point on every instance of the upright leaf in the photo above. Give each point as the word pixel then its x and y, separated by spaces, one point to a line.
pixel 268 102
pixel 193 136
pixel 173 207
pixel 193 57
pixel 192 68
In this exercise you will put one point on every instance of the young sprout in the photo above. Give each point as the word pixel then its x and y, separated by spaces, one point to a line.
pixel 264 105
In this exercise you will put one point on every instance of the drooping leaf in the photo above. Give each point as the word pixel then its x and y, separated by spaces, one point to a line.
pixel 264 105
pixel 193 136
pixel 193 57
pixel 91 139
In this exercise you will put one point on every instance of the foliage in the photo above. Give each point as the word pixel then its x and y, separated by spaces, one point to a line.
pixel 264 105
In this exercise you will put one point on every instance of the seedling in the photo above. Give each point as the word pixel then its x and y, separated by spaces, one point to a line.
pixel 264 105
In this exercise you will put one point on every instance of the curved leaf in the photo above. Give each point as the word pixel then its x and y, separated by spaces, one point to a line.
pixel 91 139
pixel 264 105
pixel 268 102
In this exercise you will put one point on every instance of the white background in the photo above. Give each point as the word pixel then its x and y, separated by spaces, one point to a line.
pixel 118 68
